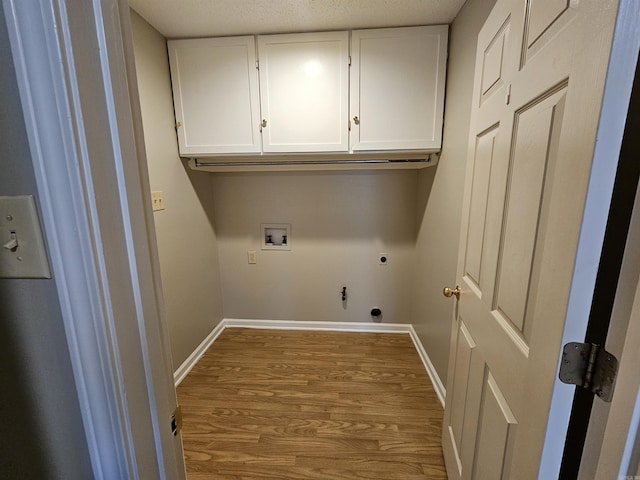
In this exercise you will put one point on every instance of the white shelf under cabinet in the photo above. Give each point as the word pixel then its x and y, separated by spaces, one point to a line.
pixel 304 91
pixel 397 88
pixel 215 91
pixel 316 161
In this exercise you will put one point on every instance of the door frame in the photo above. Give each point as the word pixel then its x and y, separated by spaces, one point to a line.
pixel 611 285
pixel 604 455
pixel 89 292
pixel 611 125
pixel 76 76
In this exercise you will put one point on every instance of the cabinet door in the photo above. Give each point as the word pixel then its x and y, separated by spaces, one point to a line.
pixel 215 95
pixel 304 81
pixel 397 88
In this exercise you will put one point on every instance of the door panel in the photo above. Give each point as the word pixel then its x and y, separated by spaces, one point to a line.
pixel 465 399
pixel 462 367
pixel 485 148
pixel 544 20
pixel 532 135
pixel 397 82
pixel 542 14
pixel 493 62
pixel 496 422
pixel 533 132
pixel 304 92
pixel 215 94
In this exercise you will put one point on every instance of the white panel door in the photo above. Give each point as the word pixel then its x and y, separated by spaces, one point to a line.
pixel 397 88
pixel 304 88
pixel 215 95
pixel 539 77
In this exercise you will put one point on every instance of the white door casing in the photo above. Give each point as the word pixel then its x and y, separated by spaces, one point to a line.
pixel 539 79
pixel 76 76
pixel 606 455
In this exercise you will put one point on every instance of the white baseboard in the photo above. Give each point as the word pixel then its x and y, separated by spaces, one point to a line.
pixel 370 327
pixel 184 369
pixel 428 366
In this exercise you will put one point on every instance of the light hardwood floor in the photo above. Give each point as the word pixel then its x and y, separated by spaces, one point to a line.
pixel 284 404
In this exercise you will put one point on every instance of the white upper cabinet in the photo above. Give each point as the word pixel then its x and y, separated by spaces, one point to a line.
pixel 259 100
pixel 304 91
pixel 397 88
pixel 215 94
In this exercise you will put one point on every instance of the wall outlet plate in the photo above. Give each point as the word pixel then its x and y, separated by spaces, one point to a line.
pixel 383 259
pixel 157 200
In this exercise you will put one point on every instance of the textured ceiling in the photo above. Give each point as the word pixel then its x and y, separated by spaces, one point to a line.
pixel 206 18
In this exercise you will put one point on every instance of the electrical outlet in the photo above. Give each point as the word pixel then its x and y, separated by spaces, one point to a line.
pixel 251 257
pixel 157 200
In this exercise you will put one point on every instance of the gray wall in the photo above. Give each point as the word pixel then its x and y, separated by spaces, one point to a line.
pixel 185 229
pixel 440 193
pixel 41 433
pixel 340 223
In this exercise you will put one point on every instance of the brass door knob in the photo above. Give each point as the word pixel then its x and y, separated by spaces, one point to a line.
pixel 450 292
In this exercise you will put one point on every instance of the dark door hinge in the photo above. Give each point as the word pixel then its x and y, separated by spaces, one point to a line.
pixel 589 366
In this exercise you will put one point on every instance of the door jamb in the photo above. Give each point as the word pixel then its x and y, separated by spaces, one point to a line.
pixel 610 266
pixel 110 316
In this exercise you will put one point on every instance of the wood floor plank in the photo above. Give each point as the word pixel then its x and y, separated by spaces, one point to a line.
pixel 285 404
pixel 300 473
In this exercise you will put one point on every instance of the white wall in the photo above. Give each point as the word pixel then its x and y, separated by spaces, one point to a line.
pixel 440 193
pixel 340 223
pixel 185 229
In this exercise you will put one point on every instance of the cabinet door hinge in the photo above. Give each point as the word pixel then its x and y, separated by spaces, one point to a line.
pixel 176 420
pixel 589 366
pixel 349 60
pixel 257 64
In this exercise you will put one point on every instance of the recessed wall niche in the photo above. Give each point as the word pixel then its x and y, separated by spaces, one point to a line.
pixel 276 236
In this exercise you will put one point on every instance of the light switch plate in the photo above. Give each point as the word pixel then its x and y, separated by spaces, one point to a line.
pixel 22 252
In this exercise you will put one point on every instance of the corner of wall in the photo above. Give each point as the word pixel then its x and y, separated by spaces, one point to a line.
pixel 185 229
pixel 440 197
